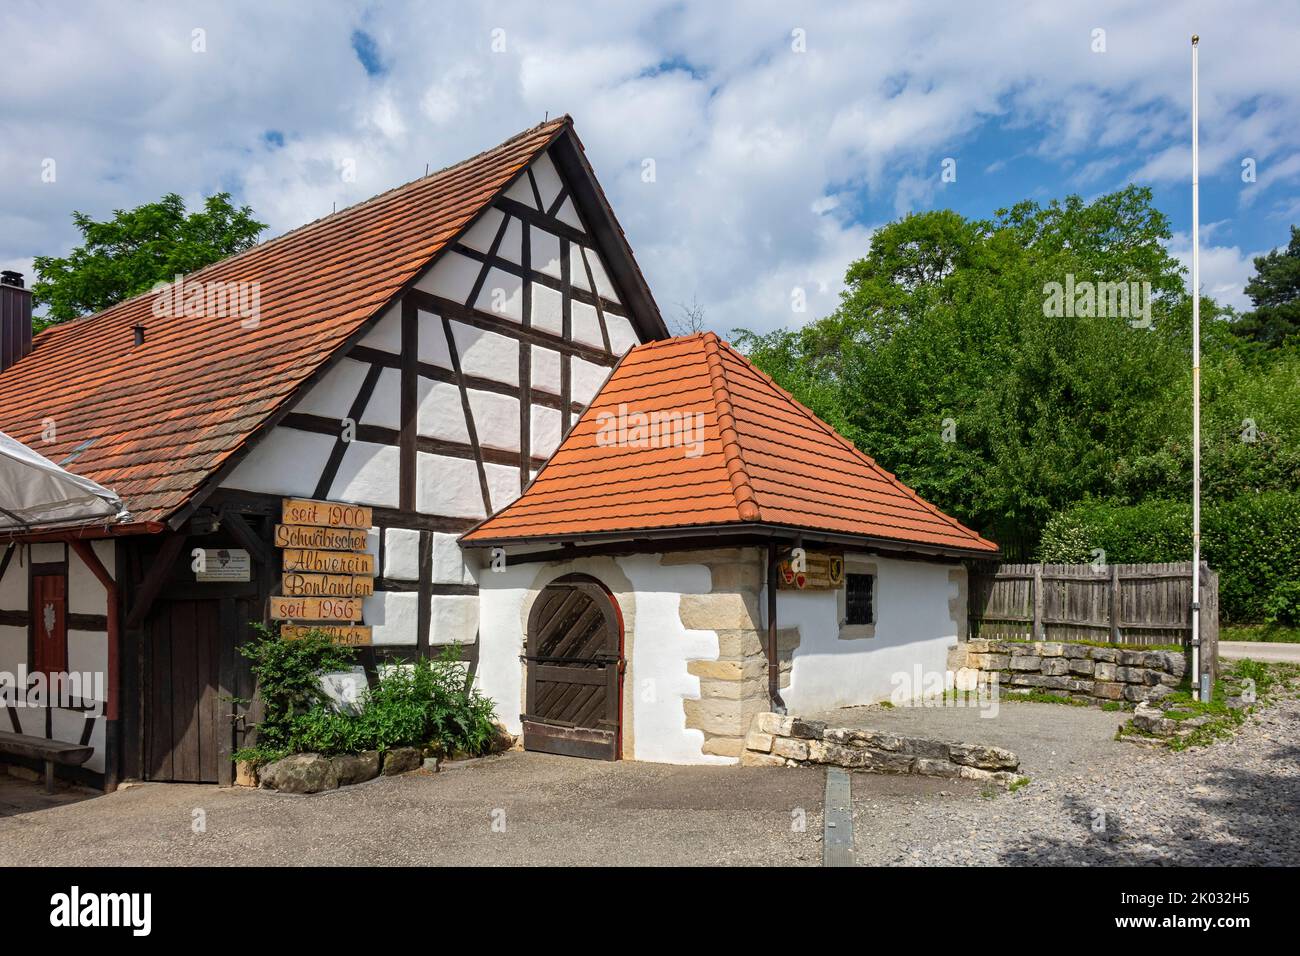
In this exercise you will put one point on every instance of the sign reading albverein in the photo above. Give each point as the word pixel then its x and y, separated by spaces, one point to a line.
pixel 328 562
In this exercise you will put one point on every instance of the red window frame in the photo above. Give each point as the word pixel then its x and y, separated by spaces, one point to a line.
pixel 49 632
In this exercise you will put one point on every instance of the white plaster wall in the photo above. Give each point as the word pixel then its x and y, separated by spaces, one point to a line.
pixel 386 334
pixel 486 354
pixel 544 433
pixel 548 309
pixel 287 462
pixel 544 248
pixel 502 295
pixel 451 277
pixel 385 406
pixel 586 324
pixel 546 369
pixel 393 615
pixel 367 475
pixel 480 235
pixel 913 628
pixel 496 419
pixel 333 396
pixel 402 554
pixel 587 379
pixel 548 180
pixel 447 486
pixel 85 594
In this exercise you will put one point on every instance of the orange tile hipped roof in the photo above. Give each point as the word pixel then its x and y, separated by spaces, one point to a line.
pixel 161 418
pixel 766 460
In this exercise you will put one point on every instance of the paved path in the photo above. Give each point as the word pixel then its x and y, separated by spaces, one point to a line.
pixel 518 808
pixel 1260 651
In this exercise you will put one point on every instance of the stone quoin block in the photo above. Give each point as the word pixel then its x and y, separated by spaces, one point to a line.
pixel 713 612
pixel 723 746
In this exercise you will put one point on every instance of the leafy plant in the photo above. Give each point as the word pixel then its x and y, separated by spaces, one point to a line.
pixel 429 703
pixel 288 681
pixel 1283 605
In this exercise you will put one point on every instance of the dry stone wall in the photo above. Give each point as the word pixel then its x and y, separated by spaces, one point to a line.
pixel 776 740
pixel 1096 674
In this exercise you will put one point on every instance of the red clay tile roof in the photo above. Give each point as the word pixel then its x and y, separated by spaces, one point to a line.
pixel 766 460
pixel 162 417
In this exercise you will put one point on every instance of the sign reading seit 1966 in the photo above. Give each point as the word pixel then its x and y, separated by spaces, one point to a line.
pixel 328 514
pixel 315 609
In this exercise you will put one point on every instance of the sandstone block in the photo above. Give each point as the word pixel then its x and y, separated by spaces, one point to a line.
pixel 791 748
pixel 757 740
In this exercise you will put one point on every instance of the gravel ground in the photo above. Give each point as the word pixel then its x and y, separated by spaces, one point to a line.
pixel 1234 803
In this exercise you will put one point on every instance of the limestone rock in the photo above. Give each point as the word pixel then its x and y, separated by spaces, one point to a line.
pixel 300 773
pixel 984 757
pixel 401 760
pixel 356 768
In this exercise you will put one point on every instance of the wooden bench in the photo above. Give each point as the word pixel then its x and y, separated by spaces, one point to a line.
pixel 50 751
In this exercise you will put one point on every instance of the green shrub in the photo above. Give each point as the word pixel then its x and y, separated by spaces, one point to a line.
pixel 287 674
pixel 1283 605
pixel 430 702
pixel 1253 541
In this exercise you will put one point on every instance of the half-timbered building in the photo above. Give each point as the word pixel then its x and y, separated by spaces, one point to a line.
pixel 436 363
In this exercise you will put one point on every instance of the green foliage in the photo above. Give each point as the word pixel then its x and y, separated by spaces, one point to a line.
pixel 1275 292
pixel 287 675
pixel 1283 605
pixel 432 702
pixel 1253 541
pixel 944 322
pixel 128 254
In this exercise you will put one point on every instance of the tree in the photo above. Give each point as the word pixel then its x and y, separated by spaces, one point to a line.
pixel 129 253
pixel 1275 292
pixel 690 318
pixel 946 364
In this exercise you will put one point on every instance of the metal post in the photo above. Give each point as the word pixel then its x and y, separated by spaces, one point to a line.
pixel 1196 381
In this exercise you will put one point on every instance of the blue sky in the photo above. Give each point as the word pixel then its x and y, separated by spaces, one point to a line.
pixel 780 136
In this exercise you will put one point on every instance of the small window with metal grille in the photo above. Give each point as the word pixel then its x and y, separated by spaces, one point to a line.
pixel 858 605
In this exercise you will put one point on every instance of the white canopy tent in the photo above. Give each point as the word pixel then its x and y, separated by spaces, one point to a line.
pixel 36 493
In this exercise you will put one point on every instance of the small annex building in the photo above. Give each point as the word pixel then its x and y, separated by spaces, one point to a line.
pixel 659 540
pixel 454 417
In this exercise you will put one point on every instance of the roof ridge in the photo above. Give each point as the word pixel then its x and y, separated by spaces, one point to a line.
pixel 741 487
pixel 855 450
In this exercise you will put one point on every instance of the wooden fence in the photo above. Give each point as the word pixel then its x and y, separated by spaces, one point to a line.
pixel 1129 603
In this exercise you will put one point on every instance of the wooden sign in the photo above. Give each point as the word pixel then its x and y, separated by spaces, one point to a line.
pixel 328 562
pixel 327 585
pixel 353 635
pixel 820 571
pixel 328 514
pixel 225 564
pixel 320 539
pixel 315 609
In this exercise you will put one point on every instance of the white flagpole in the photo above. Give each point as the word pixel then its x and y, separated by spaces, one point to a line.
pixel 1196 384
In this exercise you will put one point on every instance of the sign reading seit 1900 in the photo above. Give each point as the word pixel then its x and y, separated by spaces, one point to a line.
pixel 325 514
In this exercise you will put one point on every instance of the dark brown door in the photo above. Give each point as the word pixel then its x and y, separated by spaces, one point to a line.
pixel 50 632
pixel 575 671
pixel 183 710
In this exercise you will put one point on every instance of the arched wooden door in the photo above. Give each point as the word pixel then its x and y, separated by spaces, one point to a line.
pixel 574 671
